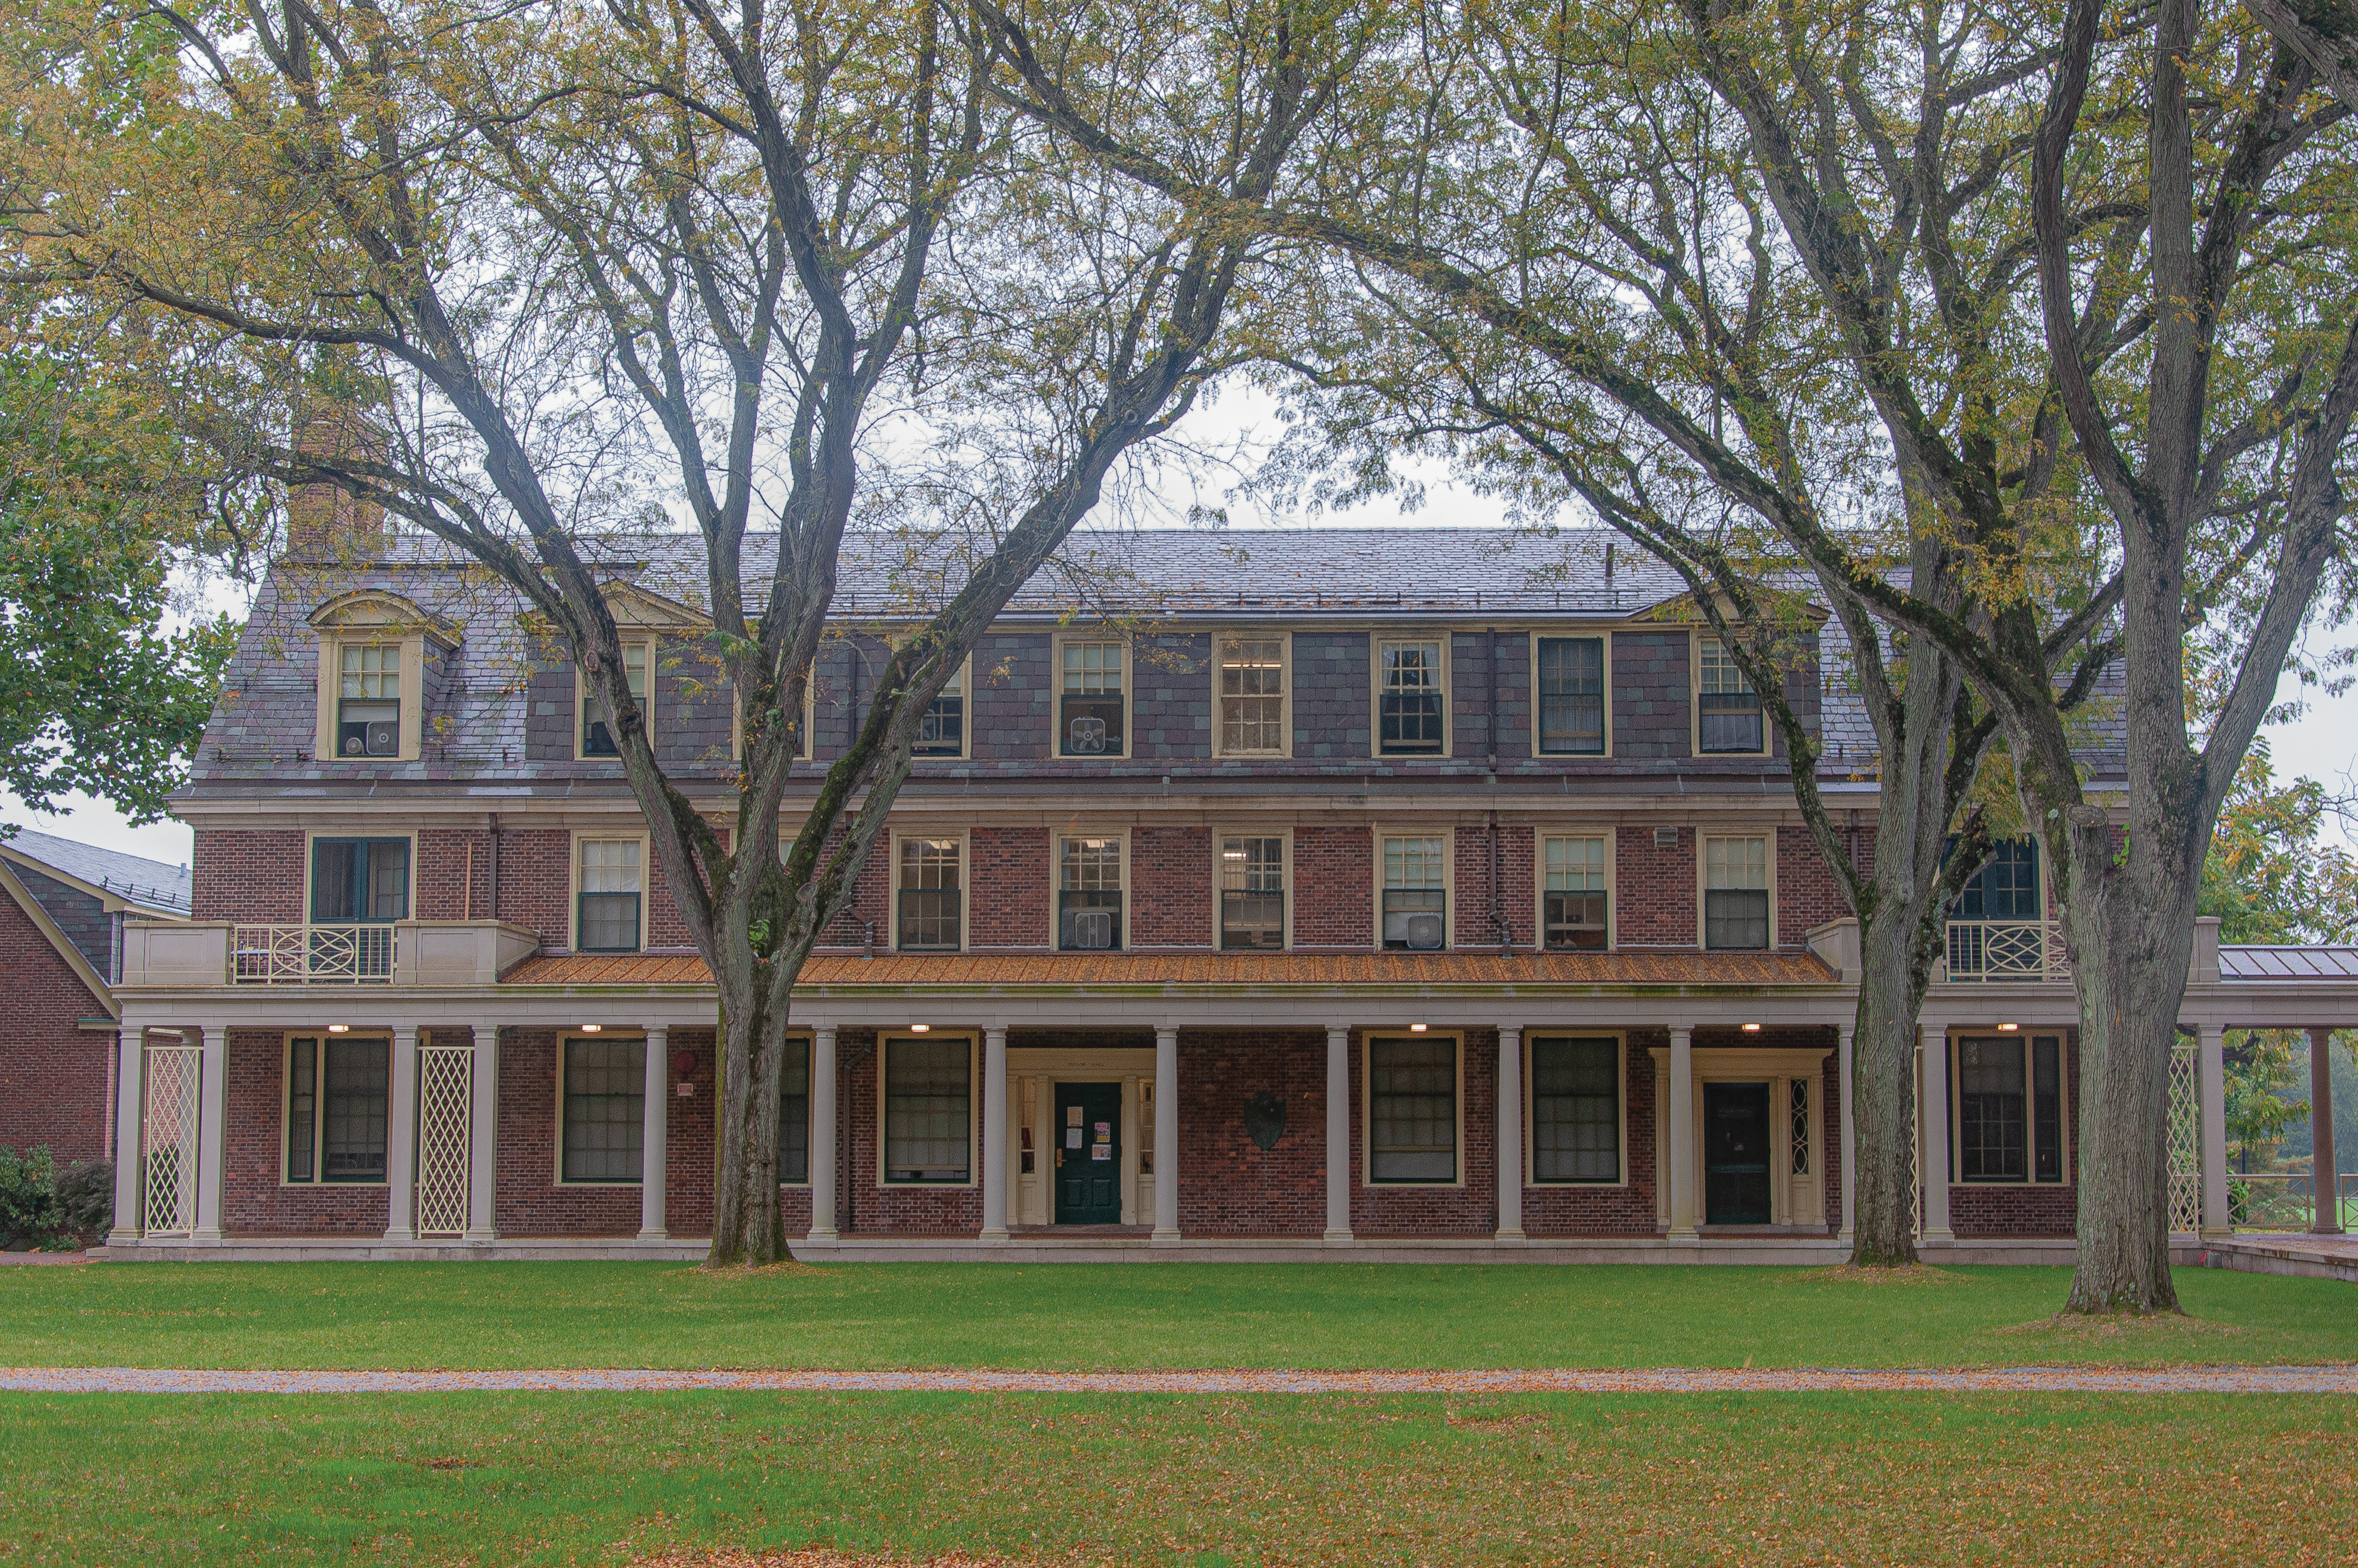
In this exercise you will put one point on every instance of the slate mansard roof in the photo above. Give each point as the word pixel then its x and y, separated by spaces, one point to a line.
pixel 477 711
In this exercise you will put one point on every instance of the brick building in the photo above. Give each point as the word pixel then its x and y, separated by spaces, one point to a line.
pixel 1406 892
pixel 62 909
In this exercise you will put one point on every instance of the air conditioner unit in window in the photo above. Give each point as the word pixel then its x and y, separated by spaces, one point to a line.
pixel 1425 932
pixel 1089 737
pixel 1093 928
pixel 383 737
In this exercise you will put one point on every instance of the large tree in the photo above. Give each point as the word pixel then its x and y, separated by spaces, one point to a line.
pixel 553 267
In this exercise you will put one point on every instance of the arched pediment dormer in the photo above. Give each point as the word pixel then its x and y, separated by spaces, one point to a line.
pixel 381 655
pixel 381 611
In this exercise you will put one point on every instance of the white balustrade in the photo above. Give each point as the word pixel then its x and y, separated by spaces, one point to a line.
pixel 311 955
pixel 2008 950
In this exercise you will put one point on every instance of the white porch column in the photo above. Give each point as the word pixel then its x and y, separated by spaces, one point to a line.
pixel 822 1134
pixel 1167 1138
pixel 1510 1135
pixel 130 1087
pixel 213 1130
pixel 400 1142
pixel 1682 1130
pixel 1846 1042
pixel 1339 1134
pixel 1934 1117
pixel 655 1157
pixel 482 1134
pixel 994 1133
pixel 2210 1088
pixel 2325 1171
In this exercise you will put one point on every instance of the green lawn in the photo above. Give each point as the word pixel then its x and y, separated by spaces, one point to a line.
pixel 1179 1483
pixel 1115 1316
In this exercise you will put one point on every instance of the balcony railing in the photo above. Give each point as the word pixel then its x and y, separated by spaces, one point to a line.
pixel 2007 950
pixel 311 955
pixel 2283 1200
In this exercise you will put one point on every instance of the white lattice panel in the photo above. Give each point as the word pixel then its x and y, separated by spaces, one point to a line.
pixel 167 1141
pixel 2185 1140
pixel 445 1116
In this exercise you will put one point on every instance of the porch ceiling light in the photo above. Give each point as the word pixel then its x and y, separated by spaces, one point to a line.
pixel 591 1028
pixel 1752 1029
pixel 1418 1028
pixel 339 1029
pixel 2008 1028
pixel 919 1028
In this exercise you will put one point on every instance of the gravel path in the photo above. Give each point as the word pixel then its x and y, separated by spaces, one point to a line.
pixel 2331 1380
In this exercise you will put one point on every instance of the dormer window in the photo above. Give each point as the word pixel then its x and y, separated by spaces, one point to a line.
pixel 1727 710
pixel 368 700
pixel 1089 700
pixel 942 732
pixel 596 732
pixel 1412 699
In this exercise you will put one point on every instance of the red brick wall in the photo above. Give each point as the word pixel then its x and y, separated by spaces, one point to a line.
pixel 1830 1138
pixel 53 1075
pixel 1170 887
pixel 1470 1209
pixel 453 878
pixel 1807 894
pixel 1334 887
pixel 534 880
pixel 2035 1209
pixel 1656 889
pixel 1628 1209
pixel 256 1199
pixel 1009 903
pixel 247 874
pixel 1227 1184
pixel 1477 923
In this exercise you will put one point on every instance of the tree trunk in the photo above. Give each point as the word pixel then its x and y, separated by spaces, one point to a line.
pixel 1883 1089
pixel 746 1226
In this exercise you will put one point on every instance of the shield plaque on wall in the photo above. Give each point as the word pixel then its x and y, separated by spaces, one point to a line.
pixel 1265 1120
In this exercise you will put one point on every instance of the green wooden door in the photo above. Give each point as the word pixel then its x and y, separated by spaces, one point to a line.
pixel 1089 1153
pixel 1735 1153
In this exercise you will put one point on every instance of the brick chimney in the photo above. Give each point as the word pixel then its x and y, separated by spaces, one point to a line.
pixel 323 519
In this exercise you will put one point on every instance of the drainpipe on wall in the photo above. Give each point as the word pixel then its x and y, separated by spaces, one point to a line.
pixel 494 820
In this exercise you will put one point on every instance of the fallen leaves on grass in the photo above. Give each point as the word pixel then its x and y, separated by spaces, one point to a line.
pixel 1854 1275
pixel 814 1557
pixel 1497 1422
pixel 2087 1328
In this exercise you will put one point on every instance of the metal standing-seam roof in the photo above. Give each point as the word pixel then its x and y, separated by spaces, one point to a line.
pixel 2288 963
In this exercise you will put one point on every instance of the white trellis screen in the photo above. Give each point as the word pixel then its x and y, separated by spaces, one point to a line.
pixel 445 1114
pixel 2185 1140
pixel 167 1141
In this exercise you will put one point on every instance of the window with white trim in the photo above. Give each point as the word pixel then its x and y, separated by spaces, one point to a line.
pixel 368 699
pixel 605 1110
pixel 2009 1091
pixel 607 919
pixel 1727 710
pixel 1416 893
pixel 942 732
pixel 928 1111
pixel 1412 1108
pixel 1736 894
pixel 1411 710
pixel 597 732
pixel 1088 894
pixel 1572 695
pixel 1253 696
pixel 338 1094
pixel 1573 894
pixel 930 895
pixel 1576 1110
pixel 1089 700
pixel 359 881
pixel 1252 892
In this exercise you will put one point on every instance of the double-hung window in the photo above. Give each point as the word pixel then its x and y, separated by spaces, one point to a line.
pixel 1253 696
pixel 1412 1108
pixel 2010 1108
pixel 1576 1110
pixel 1415 893
pixel 368 699
pixel 942 732
pixel 1573 894
pixel 607 920
pixel 597 730
pixel 1736 894
pixel 929 895
pixel 605 1110
pixel 1571 696
pixel 1411 710
pixel 337 1095
pixel 359 888
pixel 794 1110
pixel 1089 700
pixel 1252 892
pixel 1727 710
pixel 1088 894
pixel 928 1111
